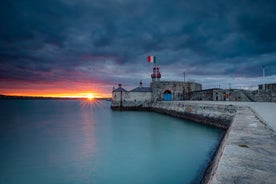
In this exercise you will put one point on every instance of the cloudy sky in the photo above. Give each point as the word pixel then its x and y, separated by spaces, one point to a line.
pixel 73 47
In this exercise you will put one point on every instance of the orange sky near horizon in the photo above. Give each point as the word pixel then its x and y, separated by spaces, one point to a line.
pixel 57 89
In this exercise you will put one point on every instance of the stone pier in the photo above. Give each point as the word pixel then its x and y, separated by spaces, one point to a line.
pixel 220 116
pixel 246 153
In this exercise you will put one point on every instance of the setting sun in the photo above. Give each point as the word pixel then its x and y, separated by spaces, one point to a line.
pixel 90 96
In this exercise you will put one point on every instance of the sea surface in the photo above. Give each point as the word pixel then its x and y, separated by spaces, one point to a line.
pixel 81 142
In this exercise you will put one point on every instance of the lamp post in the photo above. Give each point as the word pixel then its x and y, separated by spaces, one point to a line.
pixel 263 77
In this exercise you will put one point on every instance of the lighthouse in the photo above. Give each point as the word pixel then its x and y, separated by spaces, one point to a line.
pixel 156 75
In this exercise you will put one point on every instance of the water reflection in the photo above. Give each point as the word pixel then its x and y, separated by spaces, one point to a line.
pixel 88 150
pixel 92 104
pixel 88 129
pixel 74 141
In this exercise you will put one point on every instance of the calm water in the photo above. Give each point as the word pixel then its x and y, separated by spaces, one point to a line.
pixel 71 141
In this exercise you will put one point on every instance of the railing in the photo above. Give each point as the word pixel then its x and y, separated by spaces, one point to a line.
pixel 248 96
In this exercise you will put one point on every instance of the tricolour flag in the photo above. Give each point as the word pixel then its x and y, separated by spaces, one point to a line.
pixel 152 59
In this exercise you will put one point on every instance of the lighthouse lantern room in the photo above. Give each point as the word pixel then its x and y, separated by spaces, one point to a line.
pixel 156 75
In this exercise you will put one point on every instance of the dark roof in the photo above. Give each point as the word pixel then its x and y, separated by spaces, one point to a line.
pixel 119 90
pixel 142 89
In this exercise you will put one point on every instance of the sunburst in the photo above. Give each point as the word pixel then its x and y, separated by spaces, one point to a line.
pixel 91 103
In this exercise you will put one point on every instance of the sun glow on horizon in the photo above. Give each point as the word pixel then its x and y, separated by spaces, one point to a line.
pixel 85 95
pixel 92 103
pixel 90 96
pixel 58 89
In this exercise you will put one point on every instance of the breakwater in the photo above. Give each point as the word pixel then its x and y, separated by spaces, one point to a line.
pixel 246 153
pixel 216 115
pixel 219 116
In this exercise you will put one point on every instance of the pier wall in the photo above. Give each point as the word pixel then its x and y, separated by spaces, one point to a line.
pixel 246 152
pixel 128 100
pixel 216 115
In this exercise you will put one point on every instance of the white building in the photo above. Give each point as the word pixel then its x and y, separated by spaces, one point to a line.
pixel 158 91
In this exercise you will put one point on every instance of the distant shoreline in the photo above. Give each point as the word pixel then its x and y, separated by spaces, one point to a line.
pixel 45 98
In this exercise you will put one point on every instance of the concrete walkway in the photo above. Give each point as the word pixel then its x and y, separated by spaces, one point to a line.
pixel 249 151
pixel 265 110
pixel 249 155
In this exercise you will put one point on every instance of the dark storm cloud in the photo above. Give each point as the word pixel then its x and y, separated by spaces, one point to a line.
pixel 106 40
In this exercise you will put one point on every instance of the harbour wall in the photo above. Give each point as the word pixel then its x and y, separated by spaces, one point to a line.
pixel 216 115
pixel 219 116
pixel 246 152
